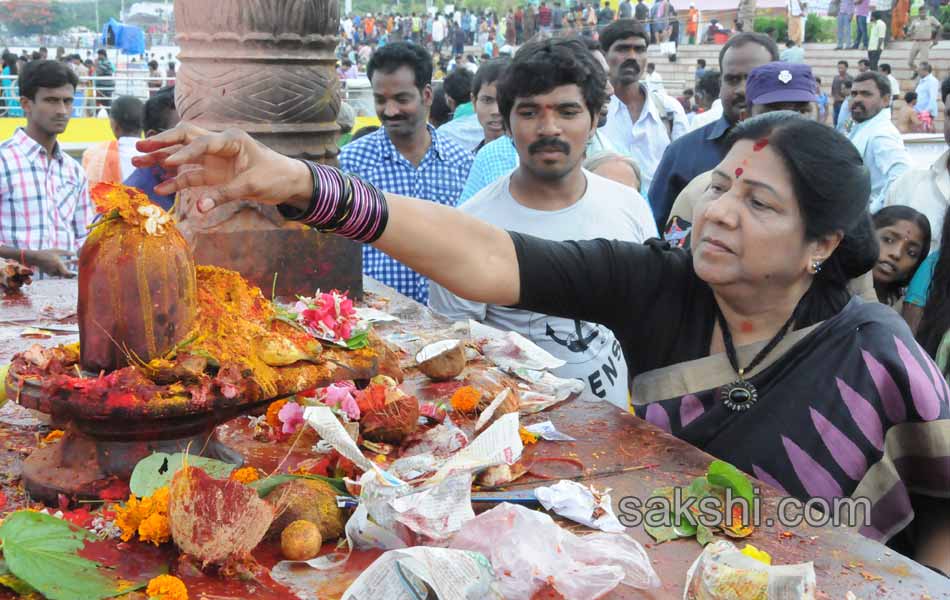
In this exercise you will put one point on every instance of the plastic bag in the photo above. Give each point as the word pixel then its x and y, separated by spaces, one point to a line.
pixel 529 551
pixel 722 572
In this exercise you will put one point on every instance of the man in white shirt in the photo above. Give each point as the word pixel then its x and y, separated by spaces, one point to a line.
pixel 653 79
pixel 885 68
pixel 438 32
pixel 928 190
pixel 639 124
pixel 550 195
pixel 875 137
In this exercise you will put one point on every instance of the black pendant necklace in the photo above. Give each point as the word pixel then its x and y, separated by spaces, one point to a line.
pixel 740 395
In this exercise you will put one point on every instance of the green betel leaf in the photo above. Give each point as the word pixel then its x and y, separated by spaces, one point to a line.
pixel 41 551
pixel 725 475
pixel 157 470
pixel 9 580
pixel 704 535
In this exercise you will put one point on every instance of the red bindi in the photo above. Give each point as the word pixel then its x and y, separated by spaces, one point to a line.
pixel 739 172
pixel 759 144
pixel 746 327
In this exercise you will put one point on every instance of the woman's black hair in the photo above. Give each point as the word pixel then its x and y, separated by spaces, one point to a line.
pixel 541 66
pixel 935 321
pixel 887 216
pixel 832 187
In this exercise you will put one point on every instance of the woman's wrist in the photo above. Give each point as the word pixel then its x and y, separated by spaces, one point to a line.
pixel 301 186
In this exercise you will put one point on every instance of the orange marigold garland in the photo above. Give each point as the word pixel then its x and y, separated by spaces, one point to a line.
pixel 245 475
pixel 147 517
pixel 273 410
pixel 466 399
pixel 166 587
pixel 527 437
pixel 53 436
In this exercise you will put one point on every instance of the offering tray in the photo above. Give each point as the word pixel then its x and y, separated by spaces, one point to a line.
pixel 112 421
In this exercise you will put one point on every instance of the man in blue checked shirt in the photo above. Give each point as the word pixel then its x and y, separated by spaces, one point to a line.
pixel 406 156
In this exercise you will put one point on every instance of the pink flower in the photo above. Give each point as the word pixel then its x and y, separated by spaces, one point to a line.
pixel 341 394
pixel 291 415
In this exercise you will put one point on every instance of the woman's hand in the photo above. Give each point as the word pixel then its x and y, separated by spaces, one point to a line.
pixel 231 165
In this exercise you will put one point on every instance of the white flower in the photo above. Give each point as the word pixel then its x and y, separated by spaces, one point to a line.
pixel 155 219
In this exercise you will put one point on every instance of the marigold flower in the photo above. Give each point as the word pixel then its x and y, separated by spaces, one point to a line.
pixel 155 529
pixel 52 436
pixel 273 412
pixel 148 517
pixel 166 587
pixel 245 475
pixel 526 436
pixel 466 399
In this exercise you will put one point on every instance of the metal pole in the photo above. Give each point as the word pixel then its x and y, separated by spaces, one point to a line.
pixel 98 25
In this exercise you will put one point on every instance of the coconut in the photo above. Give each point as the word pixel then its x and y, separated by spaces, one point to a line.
pixel 503 404
pixel 442 360
pixel 393 422
pixel 300 540
pixel 215 520
pixel 307 500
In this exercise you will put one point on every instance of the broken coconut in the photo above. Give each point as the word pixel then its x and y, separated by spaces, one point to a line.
pixel 215 520
pixel 442 360
pixel 300 541
pixel 503 404
pixel 389 414
pixel 307 500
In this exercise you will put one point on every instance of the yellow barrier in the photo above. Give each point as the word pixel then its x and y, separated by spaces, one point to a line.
pixel 79 130
pixel 89 130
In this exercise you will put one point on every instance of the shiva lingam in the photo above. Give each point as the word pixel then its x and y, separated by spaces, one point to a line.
pixel 167 351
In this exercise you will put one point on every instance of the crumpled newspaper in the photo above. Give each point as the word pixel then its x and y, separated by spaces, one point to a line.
pixel 580 503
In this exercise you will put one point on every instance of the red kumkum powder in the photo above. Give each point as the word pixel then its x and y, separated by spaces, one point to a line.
pixel 759 144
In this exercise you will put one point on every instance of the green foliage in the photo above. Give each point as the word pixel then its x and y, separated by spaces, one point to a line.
pixel 83 14
pixel 157 470
pixel 822 29
pixel 42 551
pixel 777 27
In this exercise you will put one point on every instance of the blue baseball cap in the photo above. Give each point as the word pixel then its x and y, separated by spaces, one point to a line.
pixel 780 82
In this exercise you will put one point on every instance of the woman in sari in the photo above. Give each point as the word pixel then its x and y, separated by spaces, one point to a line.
pixel 749 346
pixel 899 19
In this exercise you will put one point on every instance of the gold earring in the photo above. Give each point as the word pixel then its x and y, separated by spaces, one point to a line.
pixel 815 266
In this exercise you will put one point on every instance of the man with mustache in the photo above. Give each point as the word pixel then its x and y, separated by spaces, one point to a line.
pixel 550 98
pixel 702 149
pixel 640 123
pixel 875 137
pixel 499 157
pixel 44 195
pixel 407 155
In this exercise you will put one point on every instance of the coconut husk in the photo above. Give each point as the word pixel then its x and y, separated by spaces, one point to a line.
pixel 215 520
pixel 393 422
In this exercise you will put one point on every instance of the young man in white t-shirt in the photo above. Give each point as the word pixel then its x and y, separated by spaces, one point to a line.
pixel 550 99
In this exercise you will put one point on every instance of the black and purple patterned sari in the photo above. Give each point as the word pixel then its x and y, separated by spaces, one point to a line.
pixel 850 407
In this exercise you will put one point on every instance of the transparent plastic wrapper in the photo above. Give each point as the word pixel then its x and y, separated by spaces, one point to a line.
pixel 529 551
pixel 722 572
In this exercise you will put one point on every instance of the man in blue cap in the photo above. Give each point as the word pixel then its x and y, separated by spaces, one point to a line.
pixel 771 87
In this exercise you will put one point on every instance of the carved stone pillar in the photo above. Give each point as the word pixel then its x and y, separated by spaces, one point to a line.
pixel 267 67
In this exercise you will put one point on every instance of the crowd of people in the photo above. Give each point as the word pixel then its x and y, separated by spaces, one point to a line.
pixel 96 74
pixel 702 272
